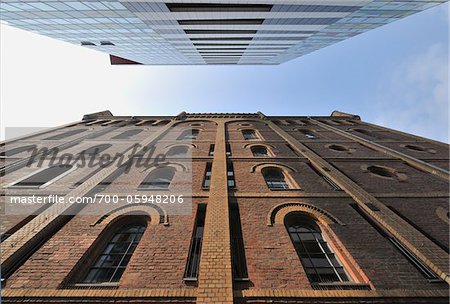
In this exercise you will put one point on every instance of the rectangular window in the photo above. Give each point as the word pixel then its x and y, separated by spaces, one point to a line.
pixel 221 22
pixel 230 175
pixel 426 272
pixel 220 32
pixel 325 178
pixel 195 250
pixel 228 149
pixel 211 149
pixel 237 245
pixel 249 134
pixel 207 179
pixel 217 7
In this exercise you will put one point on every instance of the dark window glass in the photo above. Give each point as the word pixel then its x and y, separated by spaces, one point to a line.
pixel 380 171
pixel 309 134
pixel 292 122
pixel 111 263
pixel 44 176
pixel 237 245
pixel 365 132
pixel 259 151
pixel 249 134
pixel 207 179
pixel 211 149
pixel 230 175
pixel 195 249
pixel 177 151
pixel 228 149
pixel 65 134
pixel 415 148
pixel 95 149
pixel 218 7
pixel 128 134
pixel 274 178
pixel 163 122
pixel 189 134
pixel 319 262
pixel 18 150
pixel 159 178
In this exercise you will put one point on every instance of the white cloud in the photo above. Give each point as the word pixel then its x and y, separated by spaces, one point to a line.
pixel 414 97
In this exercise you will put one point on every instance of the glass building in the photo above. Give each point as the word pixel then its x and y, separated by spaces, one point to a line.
pixel 205 32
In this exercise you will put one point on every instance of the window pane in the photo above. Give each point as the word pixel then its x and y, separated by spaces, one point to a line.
pixel 111 264
pixel 320 264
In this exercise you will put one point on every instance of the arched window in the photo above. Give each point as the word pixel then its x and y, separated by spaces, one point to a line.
pixel 159 178
pixel 259 151
pixel 43 177
pixel 189 134
pixel 320 263
pixel 365 132
pixel 18 150
pixel 94 150
pixel 65 134
pixel 177 151
pixel 163 122
pixel 249 134
pixel 411 147
pixel 111 263
pixel 381 171
pixel 338 148
pixel 274 178
pixel 308 134
pixel 128 134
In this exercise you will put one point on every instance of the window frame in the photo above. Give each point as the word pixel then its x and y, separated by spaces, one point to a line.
pixel 148 187
pixel 14 186
pixel 325 246
pixel 256 134
pixel 82 268
pixel 288 186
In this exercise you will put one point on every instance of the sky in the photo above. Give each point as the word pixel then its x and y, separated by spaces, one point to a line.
pixel 395 76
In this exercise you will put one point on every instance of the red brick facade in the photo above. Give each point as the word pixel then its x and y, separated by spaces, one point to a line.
pixel 392 185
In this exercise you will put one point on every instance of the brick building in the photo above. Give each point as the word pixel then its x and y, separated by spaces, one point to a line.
pixel 326 209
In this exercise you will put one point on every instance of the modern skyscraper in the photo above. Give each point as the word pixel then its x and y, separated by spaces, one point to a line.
pixel 206 32
pixel 326 209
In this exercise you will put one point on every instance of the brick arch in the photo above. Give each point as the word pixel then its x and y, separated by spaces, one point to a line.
pixel 177 166
pixel 442 214
pixel 249 145
pixel 156 214
pixel 260 166
pixel 277 213
pixel 190 145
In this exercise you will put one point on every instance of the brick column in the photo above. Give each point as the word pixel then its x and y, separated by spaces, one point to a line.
pixel 430 254
pixel 43 224
pixel 215 283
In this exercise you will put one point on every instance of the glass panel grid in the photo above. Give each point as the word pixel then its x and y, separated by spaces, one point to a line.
pixel 319 262
pixel 112 262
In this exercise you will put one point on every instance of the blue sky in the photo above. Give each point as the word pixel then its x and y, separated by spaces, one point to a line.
pixel 396 76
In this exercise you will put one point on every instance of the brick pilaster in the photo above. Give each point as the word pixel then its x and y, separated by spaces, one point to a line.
pixel 215 283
